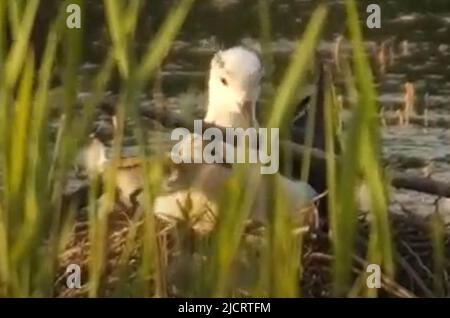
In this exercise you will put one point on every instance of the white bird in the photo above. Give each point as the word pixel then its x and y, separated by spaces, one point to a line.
pixel 234 87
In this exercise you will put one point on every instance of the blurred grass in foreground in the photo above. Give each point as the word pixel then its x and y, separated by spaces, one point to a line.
pixel 33 178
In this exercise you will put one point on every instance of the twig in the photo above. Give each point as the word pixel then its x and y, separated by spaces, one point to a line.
pixel 415 277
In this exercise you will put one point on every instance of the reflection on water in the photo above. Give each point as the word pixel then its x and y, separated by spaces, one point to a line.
pixel 413 42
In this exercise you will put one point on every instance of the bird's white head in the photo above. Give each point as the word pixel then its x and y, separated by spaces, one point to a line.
pixel 234 87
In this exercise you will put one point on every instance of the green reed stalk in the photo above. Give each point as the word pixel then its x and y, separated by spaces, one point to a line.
pixel 360 159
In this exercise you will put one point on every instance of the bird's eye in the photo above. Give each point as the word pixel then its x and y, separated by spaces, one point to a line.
pixel 224 81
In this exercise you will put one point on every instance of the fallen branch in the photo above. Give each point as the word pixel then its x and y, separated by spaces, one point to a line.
pixel 296 153
pixel 421 184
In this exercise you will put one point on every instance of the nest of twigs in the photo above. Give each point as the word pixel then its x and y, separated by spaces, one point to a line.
pixel 416 272
pixel 414 254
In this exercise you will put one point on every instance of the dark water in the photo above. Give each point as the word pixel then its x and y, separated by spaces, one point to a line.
pixel 413 45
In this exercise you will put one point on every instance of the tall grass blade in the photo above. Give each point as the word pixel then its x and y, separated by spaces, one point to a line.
pixel 118 35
